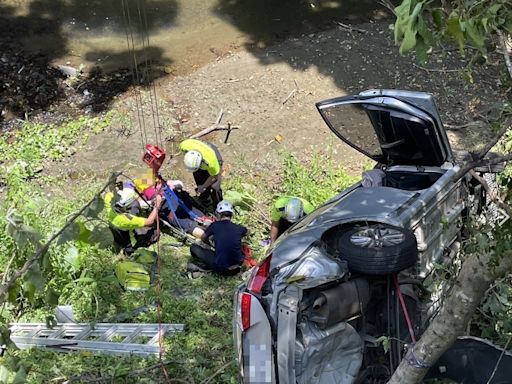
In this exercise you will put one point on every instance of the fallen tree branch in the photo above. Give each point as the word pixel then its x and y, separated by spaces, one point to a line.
pixel 492 194
pixel 4 289
pixel 350 28
pixel 216 127
pixel 506 56
pixel 295 90
pixel 436 69
pixel 499 360
pixel 497 138
pixel 479 158
pixel 387 4
pixel 475 124
pixel 217 372
pixel 289 96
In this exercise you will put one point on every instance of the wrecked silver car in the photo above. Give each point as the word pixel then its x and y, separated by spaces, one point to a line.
pixel 347 279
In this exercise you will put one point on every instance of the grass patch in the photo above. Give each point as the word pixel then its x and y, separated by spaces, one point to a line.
pixel 82 275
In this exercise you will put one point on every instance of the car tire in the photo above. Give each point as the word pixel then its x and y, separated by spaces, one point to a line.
pixel 378 249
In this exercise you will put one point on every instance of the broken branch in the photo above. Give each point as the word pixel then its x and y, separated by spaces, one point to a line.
pixel 436 69
pixel 503 44
pixel 492 194
pixel 350 28
pixel 289 96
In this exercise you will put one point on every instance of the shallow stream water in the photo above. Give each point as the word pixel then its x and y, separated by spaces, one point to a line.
pixel 180 35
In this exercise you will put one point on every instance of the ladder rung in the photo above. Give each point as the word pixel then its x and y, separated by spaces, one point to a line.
pixel 133 336
pixel 83 334
pixel 107 336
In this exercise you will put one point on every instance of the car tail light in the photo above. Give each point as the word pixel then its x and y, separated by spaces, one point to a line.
pixel 259 276
pixel 245 312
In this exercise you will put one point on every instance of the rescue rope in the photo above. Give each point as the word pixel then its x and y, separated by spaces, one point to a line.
pixel 144 139
pixel 134 70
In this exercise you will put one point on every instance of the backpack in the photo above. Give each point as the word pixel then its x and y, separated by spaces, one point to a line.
pixel 132 276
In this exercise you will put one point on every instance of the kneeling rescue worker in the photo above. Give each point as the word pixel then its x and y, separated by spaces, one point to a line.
pixel 203 159
pixel 227 236
pixel 127 227
pixel 285 212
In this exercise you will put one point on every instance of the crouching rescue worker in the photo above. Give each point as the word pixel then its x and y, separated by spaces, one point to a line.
pixel 130 230
pixel 285 212
pixel 226 237
pixel 205 162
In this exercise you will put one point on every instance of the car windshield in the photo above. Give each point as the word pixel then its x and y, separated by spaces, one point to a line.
pixel 385 134
pixel 351 122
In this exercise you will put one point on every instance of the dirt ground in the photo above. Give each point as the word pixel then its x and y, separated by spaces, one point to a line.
pixel 271 94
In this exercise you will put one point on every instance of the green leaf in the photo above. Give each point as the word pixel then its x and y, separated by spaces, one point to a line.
pixel 454 29
pixel 52 297
pixel 29 289
pixel 46 262
pixel 94 209
pixel 402 13
pixel 493 9
pixel 437 16
pixel 508 26
pixel 85 280
pixel 409 41
pixel 72 232
pixel 474 35
pixel 23 234
pixel 85 232
pixel 34 276
pixel 21 376
pixel 485 22
pixel 101 236
pixel 4 374
pixel 13 293
pixel 72 257
pixel 421 51
pixel 385 343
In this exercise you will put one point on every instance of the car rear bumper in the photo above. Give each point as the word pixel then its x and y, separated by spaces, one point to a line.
pixel 253 346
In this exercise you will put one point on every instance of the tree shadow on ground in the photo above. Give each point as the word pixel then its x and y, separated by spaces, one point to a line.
pixel 360 53
pixel 33 38
pixel 267 20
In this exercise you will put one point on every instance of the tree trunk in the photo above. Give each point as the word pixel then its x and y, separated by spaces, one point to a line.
pixel 474 279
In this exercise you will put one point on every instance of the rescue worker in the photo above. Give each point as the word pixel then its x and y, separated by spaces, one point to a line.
pixel 285 212
pixel 203 159
pixel 123 210
pixel 226 237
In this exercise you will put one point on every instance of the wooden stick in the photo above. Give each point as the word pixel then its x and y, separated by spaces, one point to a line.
pixel 289 96
pixel 219 118
pixel 212 128
pixel 345 26
pixel 506 55
pixel 436 69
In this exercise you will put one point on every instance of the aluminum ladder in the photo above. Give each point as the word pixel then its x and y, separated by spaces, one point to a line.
pixel 111 338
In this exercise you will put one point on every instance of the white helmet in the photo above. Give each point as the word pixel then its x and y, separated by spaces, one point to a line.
pixel 224 207
pixel 192 160
pixel 177 185
pixel 125 197
pixel 294 209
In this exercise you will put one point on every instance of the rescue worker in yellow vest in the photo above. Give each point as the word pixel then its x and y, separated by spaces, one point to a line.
pixel 123 210
pixel 285 212
pixel 204 160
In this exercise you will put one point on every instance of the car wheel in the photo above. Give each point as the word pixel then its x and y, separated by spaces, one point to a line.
pixel 378 249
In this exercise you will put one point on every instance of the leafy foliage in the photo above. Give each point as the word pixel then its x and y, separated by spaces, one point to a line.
pixel 421 24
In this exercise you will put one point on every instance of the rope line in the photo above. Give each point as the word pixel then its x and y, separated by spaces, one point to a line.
pixel 148 67
pixel 139 103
